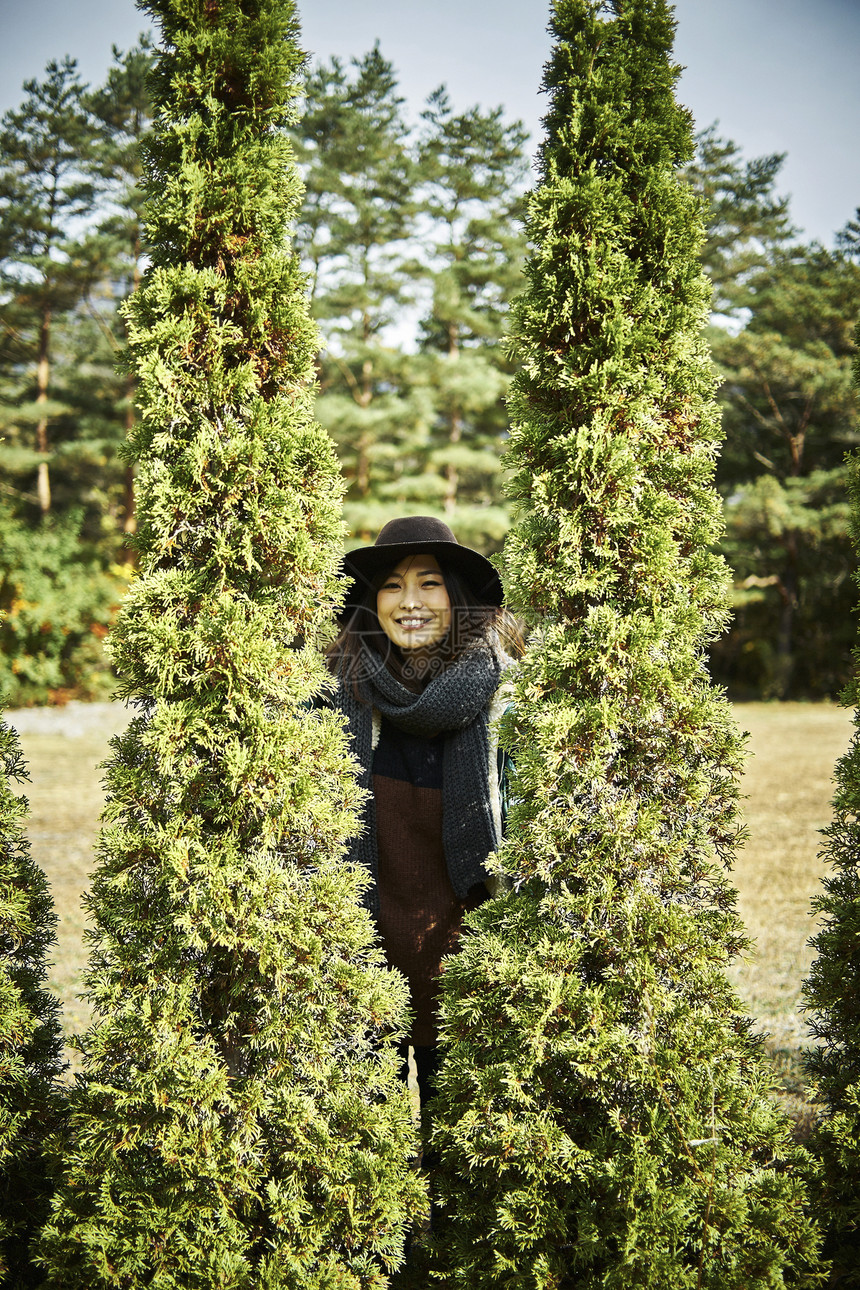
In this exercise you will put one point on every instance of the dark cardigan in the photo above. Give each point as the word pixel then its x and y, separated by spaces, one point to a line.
pixel 419 913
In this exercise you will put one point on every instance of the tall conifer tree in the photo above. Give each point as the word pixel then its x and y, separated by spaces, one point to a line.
pixel 353 230
pixel 603 1117
pixel 790 410
pixel 30 1040
pixel 45 269
pixel 833 986
pixel 745 219
pixel 240 1122
pixel 472 167
pixel 121 109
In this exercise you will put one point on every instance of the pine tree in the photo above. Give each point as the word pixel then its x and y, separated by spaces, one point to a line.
pixel 848 238
pixel 122 111
pixel 353 233
pixel 603 1116
pixel 71 158
pixel 30 1040
pixel 471 168
pixel 831 989
pixel 240 1121
pixel 745 220
pixel 45 266
pixel 789 413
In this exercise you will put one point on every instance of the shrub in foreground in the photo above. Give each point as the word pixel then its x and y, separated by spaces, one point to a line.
pixel 30 1039
pixel 603 1116
pixel 239 1121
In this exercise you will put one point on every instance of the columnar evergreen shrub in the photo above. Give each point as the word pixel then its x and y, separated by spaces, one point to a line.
pixel 239 1122
pixel 833 986
pixel 603 1116
pixel 30 1040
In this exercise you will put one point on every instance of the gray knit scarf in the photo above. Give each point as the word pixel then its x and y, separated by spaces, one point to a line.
pixel 456 702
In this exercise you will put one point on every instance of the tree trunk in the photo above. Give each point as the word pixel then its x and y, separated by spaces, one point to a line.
pixel 452 477
pixel 362 459
pixel 455 433
pixel 43 373
pixel 788 583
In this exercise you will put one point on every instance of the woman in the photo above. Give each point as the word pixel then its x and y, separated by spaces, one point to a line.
pixel 420 663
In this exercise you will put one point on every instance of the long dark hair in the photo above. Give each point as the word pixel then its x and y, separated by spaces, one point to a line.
pixel 472 621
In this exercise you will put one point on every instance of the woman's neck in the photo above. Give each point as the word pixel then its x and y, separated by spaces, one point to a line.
pixel 419 667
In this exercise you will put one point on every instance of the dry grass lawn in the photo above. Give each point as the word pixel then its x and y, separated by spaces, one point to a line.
pixel 65 797
pixel 789 786
pixel 793 749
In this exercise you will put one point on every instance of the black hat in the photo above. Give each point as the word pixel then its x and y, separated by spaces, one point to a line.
pixel 414 535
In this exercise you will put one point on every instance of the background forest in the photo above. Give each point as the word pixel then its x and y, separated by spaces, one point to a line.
pixel 411 238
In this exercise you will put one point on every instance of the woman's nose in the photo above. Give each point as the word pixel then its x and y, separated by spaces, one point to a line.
pixel 410 598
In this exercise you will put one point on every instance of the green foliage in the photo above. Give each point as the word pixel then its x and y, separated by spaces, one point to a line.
pixel 30 1040
pixel 101 389
pixel 789 416
pixel 69 166
pixel 788 545
pixel 783 346
pixel 411 236
pixel 391 226
pixel 744 218
pixel 122 111
pixel 45 267
pixel 603 1116
pixel 472 167
pixel 56 604
pixel 239 1121
pixel 358 214
pixel 66 154
pixel 831 989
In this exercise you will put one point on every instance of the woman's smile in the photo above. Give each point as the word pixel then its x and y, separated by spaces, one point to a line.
pixel 413 605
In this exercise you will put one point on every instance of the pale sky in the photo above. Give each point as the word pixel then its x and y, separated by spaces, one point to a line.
pixel 779 75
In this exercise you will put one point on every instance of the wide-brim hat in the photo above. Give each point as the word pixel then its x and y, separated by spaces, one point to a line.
pixel 417 535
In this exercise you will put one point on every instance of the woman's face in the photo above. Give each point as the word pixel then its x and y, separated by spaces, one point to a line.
pixel 412 605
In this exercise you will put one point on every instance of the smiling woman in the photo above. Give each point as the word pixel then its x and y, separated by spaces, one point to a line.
pixel 421 664
pixel 413 605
